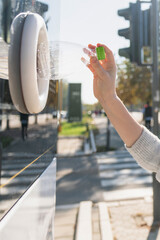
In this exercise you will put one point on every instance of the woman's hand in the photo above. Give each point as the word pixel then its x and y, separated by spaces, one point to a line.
pixel 104 74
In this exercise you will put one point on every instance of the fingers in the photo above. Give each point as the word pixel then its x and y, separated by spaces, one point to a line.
pixel 101 67
pixel 91 69
pixel 84 61
pixel 92 48
pixel 97 67
pixel 87 63
pixel 94 66
pixel 108 52
pixel 88 52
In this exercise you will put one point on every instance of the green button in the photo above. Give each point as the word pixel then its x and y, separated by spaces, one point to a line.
pixel 100 53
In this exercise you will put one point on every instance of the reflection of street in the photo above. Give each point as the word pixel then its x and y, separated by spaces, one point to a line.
pixel 39 137
pixel 3 59
pixel 14 120
pixel 20 153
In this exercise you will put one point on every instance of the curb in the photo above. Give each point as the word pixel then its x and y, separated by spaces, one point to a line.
pixel 105 225
pixel 85 219
pixel 84 223
pixel 80 154
pixel 92 140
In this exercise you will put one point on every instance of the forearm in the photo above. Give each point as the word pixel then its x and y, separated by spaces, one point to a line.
pixel 141 143
pixel 128 129
pixel 104 73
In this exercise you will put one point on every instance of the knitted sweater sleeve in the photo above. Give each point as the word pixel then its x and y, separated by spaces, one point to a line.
pixel 146 151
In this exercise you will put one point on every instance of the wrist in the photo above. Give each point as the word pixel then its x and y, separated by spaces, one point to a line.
pixel 109 100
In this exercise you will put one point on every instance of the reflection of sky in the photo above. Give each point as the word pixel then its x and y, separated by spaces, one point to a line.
pixel 53 15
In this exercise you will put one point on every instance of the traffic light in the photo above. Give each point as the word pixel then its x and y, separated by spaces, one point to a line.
pixel 133 33
pixel 138 32
pixel 147 27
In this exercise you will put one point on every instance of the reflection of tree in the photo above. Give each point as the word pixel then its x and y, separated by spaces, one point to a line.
pixel 6 19
pixel 52 101
pixel 134 83
pixel 53 94
pixel 65 95
pixel 7 96
pixel 11 8
pixel 29 5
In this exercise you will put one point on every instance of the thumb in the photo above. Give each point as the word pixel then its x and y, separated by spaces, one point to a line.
pixel 97 67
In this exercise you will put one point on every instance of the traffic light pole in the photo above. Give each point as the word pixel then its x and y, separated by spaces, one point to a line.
pixel 155 98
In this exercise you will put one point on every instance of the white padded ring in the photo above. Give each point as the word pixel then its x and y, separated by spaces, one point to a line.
pixel 14 63
pixel 35 71
pixel 29 63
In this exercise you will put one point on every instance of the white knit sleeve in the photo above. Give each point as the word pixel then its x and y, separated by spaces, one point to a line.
pixel 146 151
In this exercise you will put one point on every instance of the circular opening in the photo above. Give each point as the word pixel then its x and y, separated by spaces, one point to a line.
pixel 43 61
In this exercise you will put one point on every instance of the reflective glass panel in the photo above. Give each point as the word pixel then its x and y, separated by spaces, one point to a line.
pixel 27 141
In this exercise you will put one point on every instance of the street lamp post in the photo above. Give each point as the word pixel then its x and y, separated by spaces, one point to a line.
pixel 155 98
pixel 108 135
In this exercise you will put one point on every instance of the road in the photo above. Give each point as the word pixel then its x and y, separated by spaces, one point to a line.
pixel 115 141
pixel 108 176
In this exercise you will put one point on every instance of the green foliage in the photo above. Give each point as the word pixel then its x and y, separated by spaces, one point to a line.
pixel 75 128
pixel 52 100
pixel 134 83
pixel 65 95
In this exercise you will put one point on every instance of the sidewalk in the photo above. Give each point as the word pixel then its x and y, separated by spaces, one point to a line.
pixel 101 138
pixel 67 146
pixel 124 220
pixel 115 141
